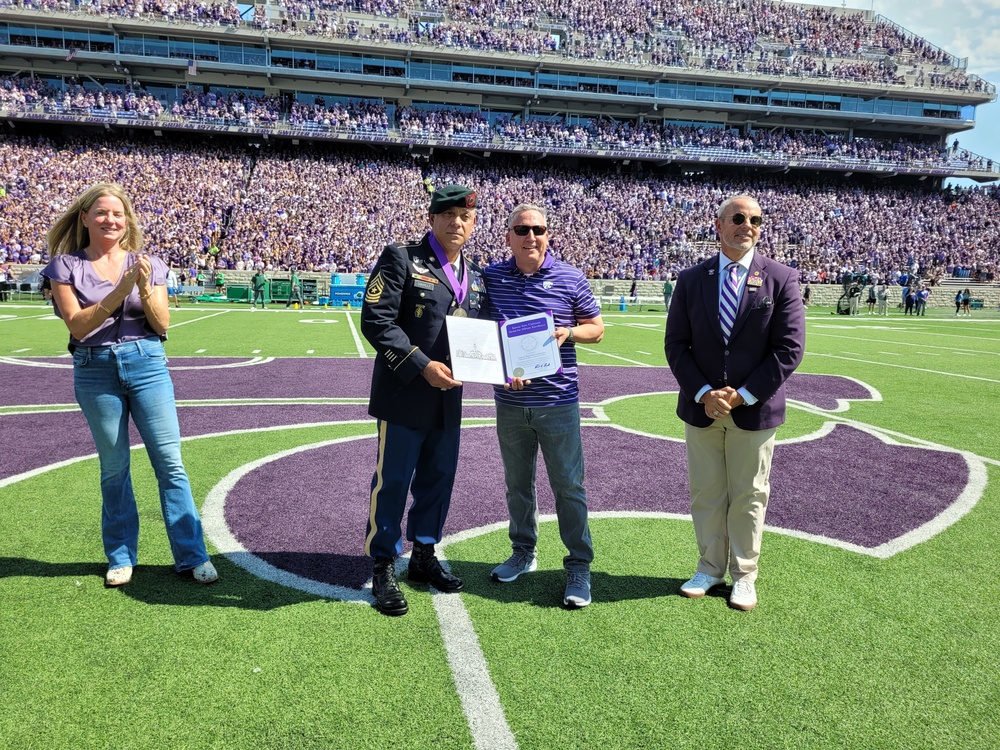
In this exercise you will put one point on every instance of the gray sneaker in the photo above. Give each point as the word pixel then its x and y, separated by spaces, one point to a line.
pixel 519 562
pixel 577 589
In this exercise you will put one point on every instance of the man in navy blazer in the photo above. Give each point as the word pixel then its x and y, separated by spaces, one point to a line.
pixel 735 332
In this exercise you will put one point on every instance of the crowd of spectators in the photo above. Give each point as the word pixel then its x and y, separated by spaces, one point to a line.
pixel 184 193
pixel 199 106
pixel 327 209
pixel 351 117
pixel 761 36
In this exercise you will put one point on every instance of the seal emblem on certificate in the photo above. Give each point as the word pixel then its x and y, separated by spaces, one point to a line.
pixel 483 351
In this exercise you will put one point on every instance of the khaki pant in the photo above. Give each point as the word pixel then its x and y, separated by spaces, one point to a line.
pixel 729 475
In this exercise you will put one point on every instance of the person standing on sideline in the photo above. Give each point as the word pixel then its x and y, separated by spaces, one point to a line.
pixel 418 404
pixel 259 285
pixel 295 291
pixel 112 298
pixel 922 294
pixel 736 334
pixel 882 295
pixel 173 287
pixel 544 412
pixel 668 290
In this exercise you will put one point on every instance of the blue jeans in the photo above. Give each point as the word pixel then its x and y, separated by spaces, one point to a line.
pixel 556 430
pixel 111 383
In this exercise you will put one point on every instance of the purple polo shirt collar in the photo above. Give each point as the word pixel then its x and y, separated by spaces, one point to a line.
pixel 547 262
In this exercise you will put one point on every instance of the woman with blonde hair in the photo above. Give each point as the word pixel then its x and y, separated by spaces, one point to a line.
pixel 113 299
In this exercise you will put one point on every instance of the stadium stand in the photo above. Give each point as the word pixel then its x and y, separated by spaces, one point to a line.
pixel 322 124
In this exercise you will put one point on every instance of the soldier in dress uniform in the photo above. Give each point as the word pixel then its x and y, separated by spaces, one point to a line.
pixel 417 402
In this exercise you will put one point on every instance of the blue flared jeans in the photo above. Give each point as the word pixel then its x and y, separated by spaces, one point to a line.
pixel 556 430
pixel 111 384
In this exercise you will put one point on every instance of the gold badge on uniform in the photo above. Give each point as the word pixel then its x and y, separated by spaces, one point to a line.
pixel 418 311
pixel 375 286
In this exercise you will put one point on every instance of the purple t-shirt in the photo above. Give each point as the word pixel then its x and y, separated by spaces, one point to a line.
pixel 128 322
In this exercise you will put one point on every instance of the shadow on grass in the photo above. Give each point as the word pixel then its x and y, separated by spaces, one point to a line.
pixel 545 588
pixel 161 584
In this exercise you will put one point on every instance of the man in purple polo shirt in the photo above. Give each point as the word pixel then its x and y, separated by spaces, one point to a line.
pixel 545 412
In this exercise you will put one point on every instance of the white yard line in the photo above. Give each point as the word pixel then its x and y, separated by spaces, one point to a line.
pixel 614 356
pixel 908 367
pixel 195 320
pixel 13 318
pixel 473 682
pixel 922 344
pixel 357 338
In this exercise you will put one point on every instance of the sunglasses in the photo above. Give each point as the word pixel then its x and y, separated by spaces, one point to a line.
pixel 755 221
pixel 521 230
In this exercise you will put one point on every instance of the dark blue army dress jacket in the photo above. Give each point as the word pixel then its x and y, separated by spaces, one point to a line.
pixel 406 302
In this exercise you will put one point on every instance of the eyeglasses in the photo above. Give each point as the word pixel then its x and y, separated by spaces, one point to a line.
pixel 755 221
pixel 521 230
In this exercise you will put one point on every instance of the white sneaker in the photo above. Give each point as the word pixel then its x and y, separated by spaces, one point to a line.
pixel 205 573
pixel 700 585
pixel 744 595
pixel 118 576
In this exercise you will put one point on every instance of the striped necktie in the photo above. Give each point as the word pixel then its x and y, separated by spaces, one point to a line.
pixel 729 300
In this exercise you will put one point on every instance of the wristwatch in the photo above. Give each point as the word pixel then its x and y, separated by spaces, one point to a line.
pixel 570 338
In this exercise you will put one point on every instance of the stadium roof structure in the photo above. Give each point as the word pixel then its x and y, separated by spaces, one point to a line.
pixel 925 103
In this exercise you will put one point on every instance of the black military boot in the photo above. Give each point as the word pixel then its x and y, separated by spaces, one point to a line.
pixel 425 568
pixel 389 600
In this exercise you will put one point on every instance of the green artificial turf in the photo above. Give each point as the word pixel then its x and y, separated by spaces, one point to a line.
pixel 844 650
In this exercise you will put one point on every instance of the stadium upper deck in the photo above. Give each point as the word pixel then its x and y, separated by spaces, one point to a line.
pixel 776 66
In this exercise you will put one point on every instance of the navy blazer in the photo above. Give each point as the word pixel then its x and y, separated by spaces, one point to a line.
pixel 765 347
pixel 406 301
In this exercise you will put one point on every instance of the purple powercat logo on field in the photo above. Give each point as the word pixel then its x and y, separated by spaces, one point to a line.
pixel 303 511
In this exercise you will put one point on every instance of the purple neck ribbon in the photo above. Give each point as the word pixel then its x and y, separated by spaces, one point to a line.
pixel 459 289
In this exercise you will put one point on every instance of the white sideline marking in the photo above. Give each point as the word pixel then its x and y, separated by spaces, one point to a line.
pixel 195 320
pixel 922 344
pixel 480 699
pixel 908 367
pixel 31 363
pixel 7 318
pixel 172 368
pixel 614 356
pixel 225 366
pixel 357 339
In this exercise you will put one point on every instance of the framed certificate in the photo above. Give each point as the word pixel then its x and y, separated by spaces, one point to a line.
pixel 484 352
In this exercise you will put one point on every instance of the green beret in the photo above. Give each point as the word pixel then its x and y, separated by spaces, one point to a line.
pixel 449 196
